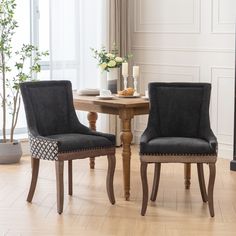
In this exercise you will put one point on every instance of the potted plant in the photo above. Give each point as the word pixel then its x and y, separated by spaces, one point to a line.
pixel 110 61
pixel 15 67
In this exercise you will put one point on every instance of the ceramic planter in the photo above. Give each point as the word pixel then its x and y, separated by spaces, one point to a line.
pixel 10 152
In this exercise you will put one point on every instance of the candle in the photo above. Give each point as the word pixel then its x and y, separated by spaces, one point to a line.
pixel 125 69
pixel 135 71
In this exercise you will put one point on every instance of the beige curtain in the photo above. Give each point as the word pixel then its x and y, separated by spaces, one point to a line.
pixel 119 27
pixel 118 33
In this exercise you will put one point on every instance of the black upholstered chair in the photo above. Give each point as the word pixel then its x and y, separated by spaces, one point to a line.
pixel 178 131
pixel 55 134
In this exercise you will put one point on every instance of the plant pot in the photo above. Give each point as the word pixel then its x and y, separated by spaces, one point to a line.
pixel 10 152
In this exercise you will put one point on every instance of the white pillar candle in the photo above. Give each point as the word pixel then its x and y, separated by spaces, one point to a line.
pixel 125 72
pixel 135 71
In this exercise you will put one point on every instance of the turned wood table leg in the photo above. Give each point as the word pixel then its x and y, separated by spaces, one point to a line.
pixel 92 118
pixel 187 175
pixel 126 139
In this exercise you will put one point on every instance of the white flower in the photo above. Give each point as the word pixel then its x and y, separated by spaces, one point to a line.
pixel 111 63
pixel 119 59
pixel 103 65
pixel 110 55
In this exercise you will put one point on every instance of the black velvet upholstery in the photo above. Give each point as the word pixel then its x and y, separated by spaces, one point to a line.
pixel 51 115
pixel 78 142
pixel 177 146
pixel 179 120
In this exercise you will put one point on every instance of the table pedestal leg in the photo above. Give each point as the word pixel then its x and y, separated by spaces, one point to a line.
pixel 126 138
pixel 187 175
pixel 92 118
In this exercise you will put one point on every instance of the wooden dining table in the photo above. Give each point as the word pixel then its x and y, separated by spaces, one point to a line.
pixel 125 109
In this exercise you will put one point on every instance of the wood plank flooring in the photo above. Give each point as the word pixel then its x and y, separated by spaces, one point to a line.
pixel 88 212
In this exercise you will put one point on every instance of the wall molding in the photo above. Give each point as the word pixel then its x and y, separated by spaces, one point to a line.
pixel 168 65
pixel 177 49
pixel 224 138
pixel 217 26
pixel 193 27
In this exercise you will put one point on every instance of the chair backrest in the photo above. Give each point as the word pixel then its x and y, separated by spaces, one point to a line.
pixel 179 109
pixel 48 106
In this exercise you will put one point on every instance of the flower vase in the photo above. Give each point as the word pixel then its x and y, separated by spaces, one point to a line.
pixel 103 81
pixel 112 79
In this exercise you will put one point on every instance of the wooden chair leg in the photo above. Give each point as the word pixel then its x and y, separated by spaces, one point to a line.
pixel 70 178
pixel 187 175
pixel 110 176
pixel 60 185
pixel 143 170
pixel 212 174
pixel 156 181
pixel 34 178
pixel 201 180
pixel 92 163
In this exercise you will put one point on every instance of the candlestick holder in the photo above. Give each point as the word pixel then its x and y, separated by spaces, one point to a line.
pixel 136 86
pixel 125 81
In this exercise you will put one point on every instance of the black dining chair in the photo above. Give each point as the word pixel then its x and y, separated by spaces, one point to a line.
pixel 55 134
pixel 178 131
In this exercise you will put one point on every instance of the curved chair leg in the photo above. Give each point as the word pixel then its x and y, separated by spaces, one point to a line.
pixel 70 178
pixel 34 178
pixel 110 176
pixel 156 181
pixel 201 180
pixel 143 170
pixel 212 169
pixel 60 185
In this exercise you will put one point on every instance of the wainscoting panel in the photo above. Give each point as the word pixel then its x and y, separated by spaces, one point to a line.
pixel 223 106
pixel 167 16
pixel 223 18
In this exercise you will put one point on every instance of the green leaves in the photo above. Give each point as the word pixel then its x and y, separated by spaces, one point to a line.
pixel 24 55
pixel 19 66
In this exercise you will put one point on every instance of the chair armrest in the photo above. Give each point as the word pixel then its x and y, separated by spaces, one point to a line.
pixel 43 147
pixel 78 127
pixel 148 134
pixel 211 138
pixel 110 137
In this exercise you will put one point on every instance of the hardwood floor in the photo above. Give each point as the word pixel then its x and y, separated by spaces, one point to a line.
pixel 88 212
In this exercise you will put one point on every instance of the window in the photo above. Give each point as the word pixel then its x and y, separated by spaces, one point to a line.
pixel 41 34
pixel 56 28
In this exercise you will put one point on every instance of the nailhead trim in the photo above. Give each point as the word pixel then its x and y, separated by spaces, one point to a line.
pixel 174 154
pixel 86 149
pixel 179 158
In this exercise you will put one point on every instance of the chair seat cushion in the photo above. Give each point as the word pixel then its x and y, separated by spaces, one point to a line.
pixel 176 146
pixel 76 142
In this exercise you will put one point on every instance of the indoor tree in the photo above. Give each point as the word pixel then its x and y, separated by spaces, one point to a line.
pixel 15 67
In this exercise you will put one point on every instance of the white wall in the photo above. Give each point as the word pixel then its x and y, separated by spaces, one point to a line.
pixel 190 41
